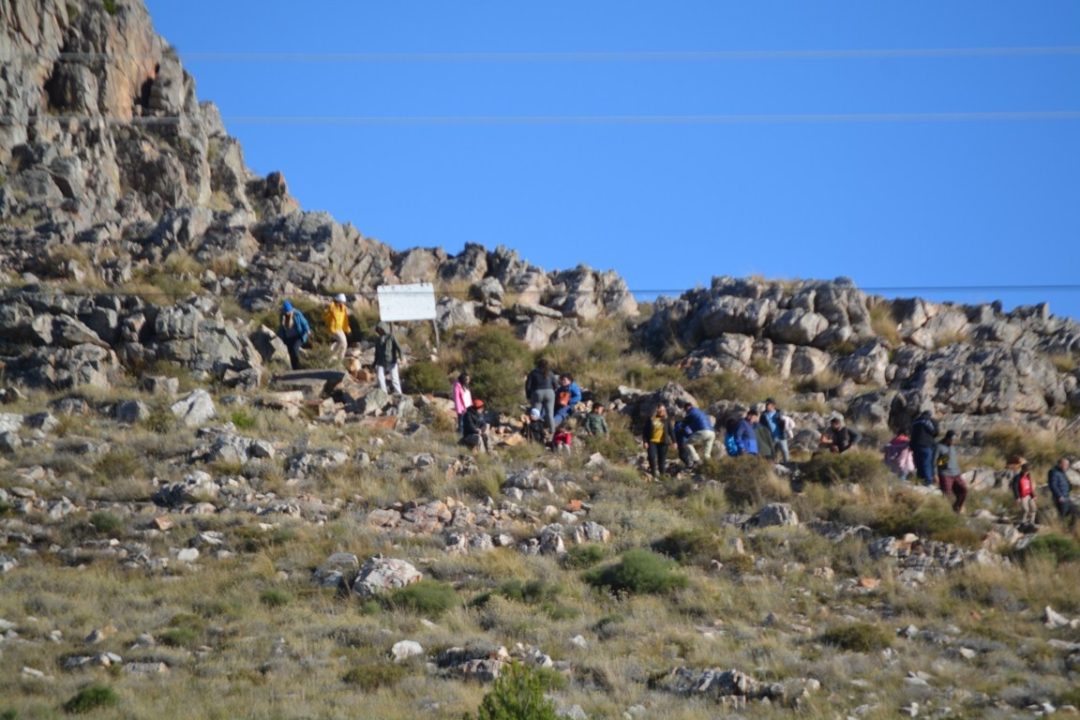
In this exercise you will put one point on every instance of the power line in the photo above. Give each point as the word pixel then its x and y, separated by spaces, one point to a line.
pixel 524 120
pixel 595 56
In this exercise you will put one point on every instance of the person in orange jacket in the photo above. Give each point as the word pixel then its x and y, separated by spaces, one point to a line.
pixel 337 322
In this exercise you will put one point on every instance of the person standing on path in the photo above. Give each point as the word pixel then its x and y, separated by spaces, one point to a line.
pixel 1060 489
pixel 778 427
pixel 1023 490
pixel 658 434
pixel 948 468
pixel 923 443
pixel 337 322
pixel 295 330
pixel 540 391
pixel 746 433
pixel 387 356
pixel 462 396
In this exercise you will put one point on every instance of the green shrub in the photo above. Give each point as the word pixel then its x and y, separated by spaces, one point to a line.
pixel 91 698
pixel 855 465
pixel 242 419
pixel 532 592
pixel 160 420
pixel 689 546
pixel 927 517
pixel 424 376
pixel 118 463
pixel 498 363
pixel 857 637
pixel 1059 547
pixel 584 556
pixel 748 480
pixel 274 598
pixel 373 676
pixel 427 597
pixel 639 571
pixel 185 630
pixel 8 714
pixel 518 694
pixel 106 523
pixel 110 6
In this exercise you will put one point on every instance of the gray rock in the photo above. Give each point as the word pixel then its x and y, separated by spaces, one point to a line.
pixel 131 411
pixel 797 327
pixel 378 575
pixel 337 570
pixel 405 649
pixel 774 514
pixel 195 409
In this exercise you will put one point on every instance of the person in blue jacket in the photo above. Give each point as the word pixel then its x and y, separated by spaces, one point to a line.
pixel 295 330
pixel 746 433
pixel 570 395
pixel 699 431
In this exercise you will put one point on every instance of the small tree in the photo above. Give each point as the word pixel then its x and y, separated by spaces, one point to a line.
pixel 517 695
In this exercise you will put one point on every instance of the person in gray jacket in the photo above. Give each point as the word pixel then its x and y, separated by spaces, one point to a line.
pixel 1060 489
pixel 540 387
pixel 948 470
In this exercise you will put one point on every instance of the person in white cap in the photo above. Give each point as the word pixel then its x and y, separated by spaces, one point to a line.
pixel 337 322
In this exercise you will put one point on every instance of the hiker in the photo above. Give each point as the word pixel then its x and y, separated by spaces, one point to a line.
pixel 474 428
pixel 387 355
pixel 780 427
pixel 898 457
pixel 948 468
pixel 765 443
pixel 1060 489
pixel 698 431
pixel 658 434
pixel 839 438
pixel 336 318
pixel 540 391
pixel 295 330
pixel 535 427
pixel 462 397
pixel 746 434
pixel 595 424
pixel 567 396
pixel 923 444
pixel 731 429
pixel 1023 489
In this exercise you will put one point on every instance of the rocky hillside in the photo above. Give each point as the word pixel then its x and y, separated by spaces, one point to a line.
pixel 189 530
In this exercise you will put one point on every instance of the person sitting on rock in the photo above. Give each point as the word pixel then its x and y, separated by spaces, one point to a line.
pixel 746 433
pixel 1060 488
pixel 567 396
pixel 563 439
pixel 923 445
pixel 295 330
pixel 1023 489
pixel 948 467
pixel 336 318
pixel 387 356
pixel 898 457
pixel 699 431
pixel 595 424
pixel 535 426
pixel 474 428
pixel 838 438
pixel 658 434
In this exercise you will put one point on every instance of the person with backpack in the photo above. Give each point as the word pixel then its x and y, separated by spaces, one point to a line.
pixel 731 444
pixel 657 435
pixel 540 391
pixel 567 396
pixel 387 356
pixel 462 396
pixel 336 318
pixel 746 433
pixel 1023 489
pixel 698 431
pixel 838 437
pixel 1060 488
pixel 295 330
pixel 474 428
pixel 779 427
pixel 948 468
pixel 924 433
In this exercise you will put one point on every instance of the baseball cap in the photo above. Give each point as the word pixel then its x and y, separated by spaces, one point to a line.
pixel 340 297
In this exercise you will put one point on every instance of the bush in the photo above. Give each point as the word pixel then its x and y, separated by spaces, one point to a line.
pixel 748 481
pixel 427 597
pixel 425 376
pixel 517 695
pixel 857 637
pixel 274 598
pixel 91 698
pixel 184 630
pixel 106 523
pixel 1058 547
pixel 373 676
pixel 689 546
pixel 242 420
pixel 1038 448
pixel 498 363
pixel 639 571
pixel 926 517
pixel 852 466
pixel 584 556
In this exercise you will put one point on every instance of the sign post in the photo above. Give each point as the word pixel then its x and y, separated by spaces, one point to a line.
pixel 402 303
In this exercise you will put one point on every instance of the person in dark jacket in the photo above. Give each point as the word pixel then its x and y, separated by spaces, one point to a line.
pixel 948 468
pixel 923 445
pixel 839 438
pixel 387 355
pixel 295 330
pixel 766 445
pixel 474 428
pixel 1060 489
pixel 540 387
pixel 746 434
pixel 657 436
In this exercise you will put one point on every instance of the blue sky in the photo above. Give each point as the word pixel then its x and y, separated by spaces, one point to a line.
pixel 668 205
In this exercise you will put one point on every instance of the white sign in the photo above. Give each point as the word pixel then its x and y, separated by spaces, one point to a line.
pixel 398 303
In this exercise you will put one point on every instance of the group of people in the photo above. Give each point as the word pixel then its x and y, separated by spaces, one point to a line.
pixel 295 331
pixel 761 434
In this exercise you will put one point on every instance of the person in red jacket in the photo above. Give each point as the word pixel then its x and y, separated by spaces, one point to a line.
pixel 1024 491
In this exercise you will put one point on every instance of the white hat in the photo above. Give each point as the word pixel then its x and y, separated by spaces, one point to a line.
pixel 340 297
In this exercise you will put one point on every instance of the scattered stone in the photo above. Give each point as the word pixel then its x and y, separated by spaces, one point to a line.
pixel 379 574
pixel 337 570
pixel 774 514
pixel 405 649
pixel 195 409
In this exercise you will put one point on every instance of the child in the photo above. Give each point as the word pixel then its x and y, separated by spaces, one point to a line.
pixel 898 456
pixel 595 424
pixel 535 427
pixel 563 439
pixel 1024 491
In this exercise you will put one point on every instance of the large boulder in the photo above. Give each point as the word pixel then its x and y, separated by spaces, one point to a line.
pixel 379 575
pixel 194 409
pixel 797 327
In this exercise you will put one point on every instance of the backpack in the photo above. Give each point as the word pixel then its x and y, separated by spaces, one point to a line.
pixel 942 461
pixel 562 398
pixel 731 445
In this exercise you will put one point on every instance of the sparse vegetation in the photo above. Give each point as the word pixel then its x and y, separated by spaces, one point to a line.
pixel 427 597
pixel 424 376
pixel 639 571
pixel 857 637
pixel 517 695
pixel 91 698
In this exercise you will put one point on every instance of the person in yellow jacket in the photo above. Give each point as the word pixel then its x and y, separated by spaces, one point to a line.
pixel 337 322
